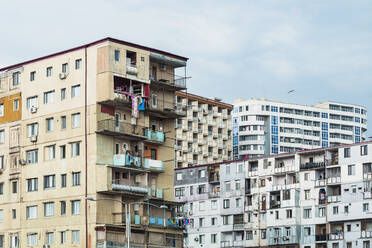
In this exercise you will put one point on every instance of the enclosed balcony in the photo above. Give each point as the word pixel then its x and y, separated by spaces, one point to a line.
pixel 155 136
pixel 154 165
pixel 123 160
pixel 155 193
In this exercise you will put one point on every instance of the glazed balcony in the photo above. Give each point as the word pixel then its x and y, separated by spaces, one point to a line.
pixel 114 128
pixel 155 136
pixel 155 193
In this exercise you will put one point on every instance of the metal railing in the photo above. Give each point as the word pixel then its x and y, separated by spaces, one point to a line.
pixel 120 127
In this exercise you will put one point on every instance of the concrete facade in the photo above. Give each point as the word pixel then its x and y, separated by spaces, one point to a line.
pixel 95 121
pixel 204 135
pixel 313 198
pixel 263 127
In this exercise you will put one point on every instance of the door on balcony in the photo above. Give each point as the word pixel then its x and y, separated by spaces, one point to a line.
pixel 117 122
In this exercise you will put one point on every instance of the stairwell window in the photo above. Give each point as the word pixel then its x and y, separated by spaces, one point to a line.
pixel 75 91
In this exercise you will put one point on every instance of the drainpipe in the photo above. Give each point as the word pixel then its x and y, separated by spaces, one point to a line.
pixel 86 145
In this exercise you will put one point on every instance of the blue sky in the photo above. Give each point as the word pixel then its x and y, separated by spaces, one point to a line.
pixel 321 49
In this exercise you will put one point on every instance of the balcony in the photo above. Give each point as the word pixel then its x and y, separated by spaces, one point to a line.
pixel 113 128
pixel 119 185
pixel 333 198
pixel 320 183
pixel 214 194
pixel 366 234
pixel 320 237
pixel 336 236
pixel 334 180
pixel 152 164
pixel 155 136
pixel 132 68
pixel 155 193
pixel 274 204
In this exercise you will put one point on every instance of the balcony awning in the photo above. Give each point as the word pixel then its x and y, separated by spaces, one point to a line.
pixel 167 60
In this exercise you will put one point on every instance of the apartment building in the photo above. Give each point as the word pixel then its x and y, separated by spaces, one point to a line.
pixel 317 198
pixel 205 134
pixel 262 127
pixel 86 134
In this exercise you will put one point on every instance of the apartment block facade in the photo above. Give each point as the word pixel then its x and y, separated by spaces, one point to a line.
pixel 205 134
pixel 317 198
pixel 263 127
pixel 92 122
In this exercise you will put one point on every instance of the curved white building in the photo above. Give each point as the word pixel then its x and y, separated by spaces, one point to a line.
pixel 262 127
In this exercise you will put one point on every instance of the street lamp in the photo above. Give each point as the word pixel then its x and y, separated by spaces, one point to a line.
pixel 127 213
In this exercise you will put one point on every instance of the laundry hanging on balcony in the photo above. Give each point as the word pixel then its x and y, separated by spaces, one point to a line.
pixel 141 104
pixel 135 107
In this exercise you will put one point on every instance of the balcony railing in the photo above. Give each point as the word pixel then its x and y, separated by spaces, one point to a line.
pixel 336 236
pixel 129 187
pixel 153 164
pixel 334 180
pixel 366 234
pixel 334 198
pixel 126 160
pixel 155 136
pixel 321 237
pixel 311 165
pixel 112 126
pixel 155 193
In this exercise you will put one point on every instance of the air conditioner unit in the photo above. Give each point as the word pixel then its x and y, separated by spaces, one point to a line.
pixel 33 109
pixel 163 67
pixel 33 138
pixel 62 75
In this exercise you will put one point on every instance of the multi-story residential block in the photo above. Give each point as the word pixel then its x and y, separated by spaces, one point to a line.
pixel 317 198
pixel 204 135
pixel 262 127
pixel 85 134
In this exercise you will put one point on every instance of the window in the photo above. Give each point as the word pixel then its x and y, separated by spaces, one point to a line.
pixel 75 120
pixel 307 213
pixel 347 152
pixel 239 168
pixel 117 55
pixel 237 184
pixel 2 136
pixel 32 239
pixel 75 178
pixel 179 176
pixel 49 97
pixel 49 71
pixel 226 203
pixel 1 188
pixel 63 208
pixel 249 235
pixel 225 219
pixel 75 149
pixel 50 238
pixel 65 68
pixel 50 152
pixel 32 184
pixel 201 222
pixel 75 207
pixel 213 238
pixel 31 212
pixel 321 211
pixel 179 191
pixel 48 209
pixel 49 124
pixel 75 236
pixel 63 180
pixel 201 173
pixel 16 105
pixel 62 150
pixel 366 244
pixel 2 162
pixel 286 194
pixel 213 221
pixel 1 109
pixel 363 150
pixel 238 202
pixel 63 122
pixel 32 156
pixel 49 181
pixel 1 241
pixel 263 234
pixel 63 237
pixel 75 91
pixel 335 210
pixel 32 75
pixel 228 169
pixel 78 64
pixel 289 213
pixel 201 239
pixel 307 231
pixel 15 78
pixel 201 189
pixel 307 194
pixel 32 102
pixel 1 215
pixel 14 187
pixel 365 207
pixel 63 94
pixel 154 100
pixel 306 176
pixel 214 204
pixel 351 170
pixel 346 209
pixel 191 190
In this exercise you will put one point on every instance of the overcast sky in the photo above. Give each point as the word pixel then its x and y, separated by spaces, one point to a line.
pixel 321 49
